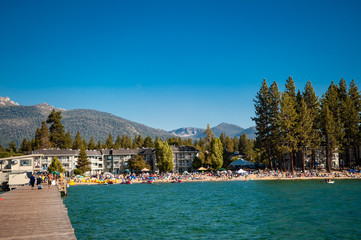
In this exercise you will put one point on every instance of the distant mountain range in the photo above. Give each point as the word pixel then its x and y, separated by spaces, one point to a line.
pixel 18 122
pixel 230 130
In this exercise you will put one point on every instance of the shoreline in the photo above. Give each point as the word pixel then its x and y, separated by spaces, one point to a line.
pixel 251 178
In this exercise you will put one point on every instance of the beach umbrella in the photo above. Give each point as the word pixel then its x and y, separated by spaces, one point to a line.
pixel 145 170
pixel 352 171
pixel 55 172
pixel 202 169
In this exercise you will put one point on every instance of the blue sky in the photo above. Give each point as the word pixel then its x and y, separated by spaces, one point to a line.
pixel 171 64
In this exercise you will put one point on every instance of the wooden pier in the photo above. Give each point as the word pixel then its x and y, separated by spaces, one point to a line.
pixel 28 213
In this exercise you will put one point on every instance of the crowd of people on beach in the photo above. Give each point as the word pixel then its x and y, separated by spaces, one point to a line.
pixel 226 175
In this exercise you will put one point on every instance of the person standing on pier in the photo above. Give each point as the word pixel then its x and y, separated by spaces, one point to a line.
pixel 32 181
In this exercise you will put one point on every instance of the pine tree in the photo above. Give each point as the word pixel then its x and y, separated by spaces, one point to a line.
pixel 148 142
pixel 12 146
pixel 164 155
pixel 262 120
pixel 25 146
pixel 37 139
pixel 304 127
pixel 68 141
pixel 351 121
pixel 57 135
pixel 109 144
pixel 127 143
pixel 92 145
pixel 99 145
pixel 118 142
pixel 328 132
pixel 209 136
pixel 83 163
pixel 56 166
pixel 84 144
pixel 77 144
pixel 216 154
pixel 287 123
pixel 138 142
pixel 313 104
pixel 274 111
pixel 44 137
pixel 229 146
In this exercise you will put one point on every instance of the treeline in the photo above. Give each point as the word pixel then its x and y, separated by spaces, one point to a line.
pixel 299 123
pixel 214 152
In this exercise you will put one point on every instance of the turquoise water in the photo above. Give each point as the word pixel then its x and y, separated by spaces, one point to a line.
pixel 217 210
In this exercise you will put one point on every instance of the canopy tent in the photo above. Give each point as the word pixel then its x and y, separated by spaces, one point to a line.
pixel 241 171
pixel 242 163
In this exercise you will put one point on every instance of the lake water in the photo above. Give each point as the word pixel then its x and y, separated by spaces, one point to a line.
pixel 217 210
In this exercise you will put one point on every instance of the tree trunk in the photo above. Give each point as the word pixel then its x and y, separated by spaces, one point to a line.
pixel 283 162
pixel 328 159
pixel 303 160
pixel 340 160
pixel 313 159
pixel 270 160
pixel 292 158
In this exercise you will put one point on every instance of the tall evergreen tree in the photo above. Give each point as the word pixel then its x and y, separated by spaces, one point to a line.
pixel 109 144
pixel 313 104
pixel 99 145
pixel 274 111
pixel 304 125
pixel 263 122
pixel 138 141
pixel 92 145
pixel 57 135
pixel 328 132
pixel 127 143
pixel 77 144
pixel 68 141
pixel 44 137
pixel 148 142
pixel 83 163
pixel 118 142
pixel 25 146
pixel 216 155
pixel 287 123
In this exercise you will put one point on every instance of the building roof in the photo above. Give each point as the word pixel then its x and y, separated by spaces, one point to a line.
pixel 184 149
pixel 56 152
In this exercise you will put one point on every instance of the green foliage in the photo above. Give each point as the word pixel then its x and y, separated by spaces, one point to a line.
pixel 109 144
pixel 57 135
pixel 148 142
pixel 68 141
pixel 77 172
pixel 216 153
pixel 25 146
pixel 164 156
pixel 56 166
pixel 77 143
pixel 83 163
pixel 138 163
pixel 12 146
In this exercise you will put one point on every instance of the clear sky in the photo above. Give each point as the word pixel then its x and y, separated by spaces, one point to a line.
pixel 171 64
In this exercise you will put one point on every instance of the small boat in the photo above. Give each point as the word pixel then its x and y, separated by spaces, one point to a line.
pixel 331 182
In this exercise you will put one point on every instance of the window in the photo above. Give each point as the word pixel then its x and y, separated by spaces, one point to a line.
pixel 25 162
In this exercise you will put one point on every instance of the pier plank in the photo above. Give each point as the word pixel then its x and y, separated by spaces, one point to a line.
pixel 28 213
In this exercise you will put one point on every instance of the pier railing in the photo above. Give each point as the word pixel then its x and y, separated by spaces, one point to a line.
pixel 62 185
